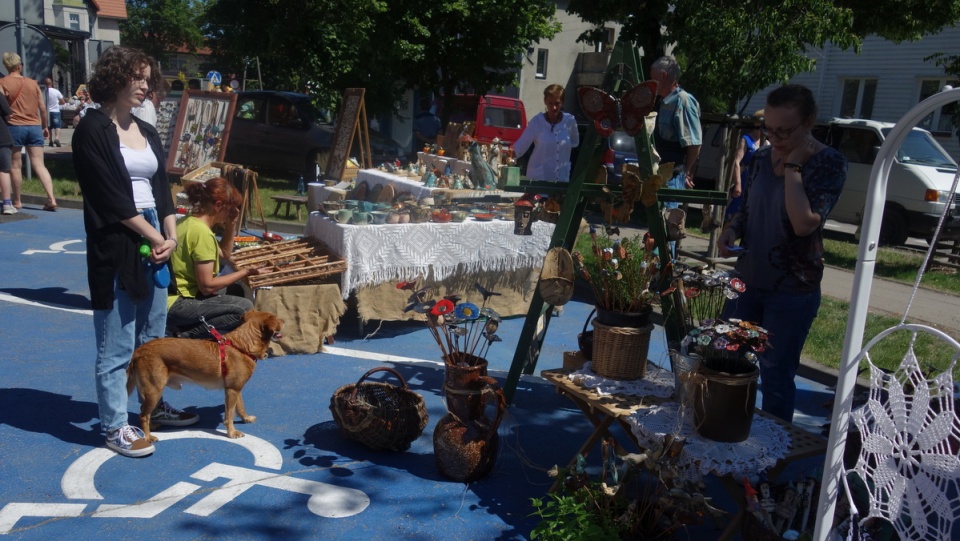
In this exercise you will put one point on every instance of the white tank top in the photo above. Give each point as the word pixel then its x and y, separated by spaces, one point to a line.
pixel 142 165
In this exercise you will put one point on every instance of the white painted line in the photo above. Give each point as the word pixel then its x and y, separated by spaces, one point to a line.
pixel 369 355
pixel 17 300
pixel 12 512
pixel 150 508
pixel 78 481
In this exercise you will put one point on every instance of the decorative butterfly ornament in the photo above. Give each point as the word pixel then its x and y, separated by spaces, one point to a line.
pixel 627 113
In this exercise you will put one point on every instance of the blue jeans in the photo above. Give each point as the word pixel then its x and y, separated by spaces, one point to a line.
pixel 119 331
pixel 26 136
pixel 788 316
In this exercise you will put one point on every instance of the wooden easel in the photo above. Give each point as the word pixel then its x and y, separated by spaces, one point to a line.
pixel 351 124
pixel 250 192
pixel 623 68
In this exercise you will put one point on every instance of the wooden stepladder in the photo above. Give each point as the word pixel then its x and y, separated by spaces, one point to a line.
pixel 351 124
pixel 623 72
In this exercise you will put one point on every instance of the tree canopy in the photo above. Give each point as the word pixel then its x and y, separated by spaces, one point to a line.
pixel 732 49
pixel 385 46
pixel 160 26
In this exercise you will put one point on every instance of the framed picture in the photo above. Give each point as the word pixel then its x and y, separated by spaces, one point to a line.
pixel 202 131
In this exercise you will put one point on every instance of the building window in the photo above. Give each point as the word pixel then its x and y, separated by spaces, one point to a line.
pixel 940 120
pixel 607 43
pixel 74 21
pixel 857 98
pixel 541 63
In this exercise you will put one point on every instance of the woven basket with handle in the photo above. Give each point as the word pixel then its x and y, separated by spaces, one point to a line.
pixel 620 352
pixel 379 415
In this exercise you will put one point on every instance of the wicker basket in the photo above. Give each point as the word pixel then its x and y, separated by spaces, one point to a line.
pixel 620 352
pixel 585 338
pixel 379 415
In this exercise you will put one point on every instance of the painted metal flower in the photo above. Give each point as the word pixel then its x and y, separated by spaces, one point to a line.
pixel 467 311
pixel 443 307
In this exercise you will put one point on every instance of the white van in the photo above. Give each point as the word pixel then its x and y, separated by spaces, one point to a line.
pixel 918 186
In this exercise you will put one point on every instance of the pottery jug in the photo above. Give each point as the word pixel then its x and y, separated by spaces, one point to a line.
pixel 465 441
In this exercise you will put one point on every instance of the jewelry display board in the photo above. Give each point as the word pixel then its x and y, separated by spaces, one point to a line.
pixel 203 127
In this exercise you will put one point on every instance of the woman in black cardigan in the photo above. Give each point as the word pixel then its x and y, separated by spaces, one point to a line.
pixel 119 163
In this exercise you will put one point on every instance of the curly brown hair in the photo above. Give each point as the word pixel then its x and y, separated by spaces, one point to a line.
pixel 116 68
pixel 204 195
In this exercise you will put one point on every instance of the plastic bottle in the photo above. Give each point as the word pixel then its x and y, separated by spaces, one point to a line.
pixel 300 187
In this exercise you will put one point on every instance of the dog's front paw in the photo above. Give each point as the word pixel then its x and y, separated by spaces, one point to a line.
pixel 249 419
pixel 151 438
pixel 235 434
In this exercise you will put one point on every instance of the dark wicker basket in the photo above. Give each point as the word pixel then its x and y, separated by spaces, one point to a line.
pixel 585 338
pixel 382 416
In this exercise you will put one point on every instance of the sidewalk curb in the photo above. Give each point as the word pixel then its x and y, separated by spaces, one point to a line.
pixel 288 228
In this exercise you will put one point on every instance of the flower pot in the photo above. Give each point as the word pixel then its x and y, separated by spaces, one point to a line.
pixel 635 320
pixel 465 441
pixel 724 402
pixel 620 352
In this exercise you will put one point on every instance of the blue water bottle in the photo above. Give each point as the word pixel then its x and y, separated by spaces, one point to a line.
pixel 161 274
pixel 300 187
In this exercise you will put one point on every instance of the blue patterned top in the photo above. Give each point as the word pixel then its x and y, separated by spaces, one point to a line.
pixel 776 258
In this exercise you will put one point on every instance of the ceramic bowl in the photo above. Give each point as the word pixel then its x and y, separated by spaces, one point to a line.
pixel 441 216
pixel 458 215
pixel 403 217
pixel 351 204
pixel 331 207
pixel 484 217
pixel 393 218
pixel 379 216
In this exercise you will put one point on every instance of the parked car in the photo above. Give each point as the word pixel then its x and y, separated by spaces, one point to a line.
pixel 918 186
pixel 618 149
pixel 283 131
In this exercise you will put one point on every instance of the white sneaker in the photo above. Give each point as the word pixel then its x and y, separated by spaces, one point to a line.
pixel 129 441
pixel 9 209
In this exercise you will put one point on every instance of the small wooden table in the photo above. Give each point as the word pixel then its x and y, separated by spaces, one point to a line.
pixel 603 410
pixel 298 200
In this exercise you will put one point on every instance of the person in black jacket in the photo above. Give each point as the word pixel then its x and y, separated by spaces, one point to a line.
pixel 126 200
pixel 6 153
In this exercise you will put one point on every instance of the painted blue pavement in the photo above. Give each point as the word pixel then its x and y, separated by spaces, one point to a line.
pixel 293 476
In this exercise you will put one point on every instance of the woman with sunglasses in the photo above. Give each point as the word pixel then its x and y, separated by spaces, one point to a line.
pixel 792 186
pixel 199 287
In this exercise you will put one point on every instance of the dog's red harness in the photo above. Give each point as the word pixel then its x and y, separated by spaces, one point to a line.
pixel 222 342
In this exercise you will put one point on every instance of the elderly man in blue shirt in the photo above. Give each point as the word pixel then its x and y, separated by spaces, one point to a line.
pixel 677 135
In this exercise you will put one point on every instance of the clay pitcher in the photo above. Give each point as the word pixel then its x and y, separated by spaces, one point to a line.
pixel 465 441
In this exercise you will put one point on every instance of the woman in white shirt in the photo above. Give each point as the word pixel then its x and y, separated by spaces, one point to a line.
pixel 553 134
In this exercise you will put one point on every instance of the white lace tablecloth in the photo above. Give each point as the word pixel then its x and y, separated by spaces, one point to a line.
pixel 768 443
pixel 380 253
pixel 656 382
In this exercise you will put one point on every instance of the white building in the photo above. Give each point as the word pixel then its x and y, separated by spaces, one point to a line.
pixel 882 83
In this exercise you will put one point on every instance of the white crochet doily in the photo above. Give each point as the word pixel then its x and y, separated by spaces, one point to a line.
pixel 909 448
pixel 768 443
pixel 656 382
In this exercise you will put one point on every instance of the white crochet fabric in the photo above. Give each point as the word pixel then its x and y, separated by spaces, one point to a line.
pixel 908 458
pixel 768 443
pixel 656 382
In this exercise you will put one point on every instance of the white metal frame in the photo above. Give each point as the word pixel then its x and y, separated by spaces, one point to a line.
pixel 859 303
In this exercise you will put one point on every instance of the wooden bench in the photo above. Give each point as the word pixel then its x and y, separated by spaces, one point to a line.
pixel 298 200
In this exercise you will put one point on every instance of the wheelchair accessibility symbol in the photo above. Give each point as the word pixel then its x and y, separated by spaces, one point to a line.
pixel 325 500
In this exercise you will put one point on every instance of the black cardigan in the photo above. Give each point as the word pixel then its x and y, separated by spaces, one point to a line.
pixel 112 248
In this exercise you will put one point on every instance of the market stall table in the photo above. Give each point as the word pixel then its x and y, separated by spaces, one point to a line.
pixel 455 256
pixel 645 411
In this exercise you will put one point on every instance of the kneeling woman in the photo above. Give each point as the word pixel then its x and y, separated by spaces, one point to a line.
pixel 196 263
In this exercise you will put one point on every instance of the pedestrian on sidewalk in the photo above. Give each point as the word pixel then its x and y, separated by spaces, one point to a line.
pixel 792 186
pixel 55 103
pixel 28 127
pixel 6 149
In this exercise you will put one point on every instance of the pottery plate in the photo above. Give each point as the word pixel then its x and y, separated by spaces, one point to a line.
pixel 374 194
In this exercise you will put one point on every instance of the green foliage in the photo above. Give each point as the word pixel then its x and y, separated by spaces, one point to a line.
pixel 732 49
pixel 569 518
pixel 325 46
pixel 161 26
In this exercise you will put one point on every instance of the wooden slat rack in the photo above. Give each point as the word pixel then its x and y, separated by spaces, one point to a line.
pixel 298 261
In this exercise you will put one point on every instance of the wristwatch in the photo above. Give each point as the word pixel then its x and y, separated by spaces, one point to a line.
pixel 789 165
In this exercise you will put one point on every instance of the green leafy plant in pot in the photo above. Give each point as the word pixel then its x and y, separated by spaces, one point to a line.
pixel 624 275
pixel 723 388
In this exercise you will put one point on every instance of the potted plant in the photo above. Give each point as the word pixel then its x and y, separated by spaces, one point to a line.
pixel 637 496
pixel 465 441
pixel 623 274
pixel 724 384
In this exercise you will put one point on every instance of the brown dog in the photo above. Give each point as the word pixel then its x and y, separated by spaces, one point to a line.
pixel 168 362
